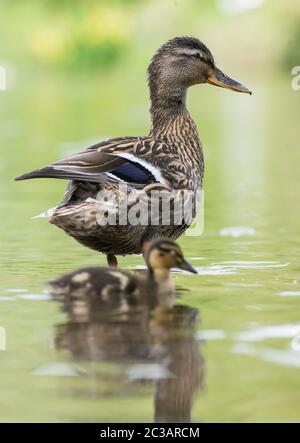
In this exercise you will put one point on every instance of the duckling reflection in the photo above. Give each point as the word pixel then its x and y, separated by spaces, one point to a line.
pixel 173 330
pixel 139 336
pixel 96 332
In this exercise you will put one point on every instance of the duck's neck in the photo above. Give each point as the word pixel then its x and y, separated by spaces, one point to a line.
pixel 172 124
pixel 167 104
pixel 169 115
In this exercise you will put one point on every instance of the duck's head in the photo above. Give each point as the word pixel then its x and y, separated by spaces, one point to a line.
pixel 186 61
pixel 163 254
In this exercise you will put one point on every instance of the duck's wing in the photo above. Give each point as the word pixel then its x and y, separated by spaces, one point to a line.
pixel 128 159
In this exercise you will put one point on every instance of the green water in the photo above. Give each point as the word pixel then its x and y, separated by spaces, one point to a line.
pixel 234 346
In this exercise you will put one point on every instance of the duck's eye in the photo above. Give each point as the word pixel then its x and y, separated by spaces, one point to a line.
pixel 196 55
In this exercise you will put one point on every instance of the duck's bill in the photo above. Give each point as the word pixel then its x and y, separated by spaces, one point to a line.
pixel 218 78
pixel 186 266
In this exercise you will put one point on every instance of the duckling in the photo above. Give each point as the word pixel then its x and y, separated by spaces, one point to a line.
pixel 170 157
pixel 112 286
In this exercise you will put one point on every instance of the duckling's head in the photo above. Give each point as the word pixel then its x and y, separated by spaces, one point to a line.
pixel 183 62
pixel 163 255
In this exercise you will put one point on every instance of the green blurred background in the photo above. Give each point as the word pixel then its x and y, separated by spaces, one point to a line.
pixel 76 73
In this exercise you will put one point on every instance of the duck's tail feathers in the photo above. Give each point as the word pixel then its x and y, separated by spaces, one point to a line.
pixel 46 214
pixel 56 172
pixel 46 172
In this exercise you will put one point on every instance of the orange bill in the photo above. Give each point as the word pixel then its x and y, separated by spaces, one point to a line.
pixel 218 78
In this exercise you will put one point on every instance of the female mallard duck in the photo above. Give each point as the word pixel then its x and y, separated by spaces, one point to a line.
pixel 111 286
pixel 169 159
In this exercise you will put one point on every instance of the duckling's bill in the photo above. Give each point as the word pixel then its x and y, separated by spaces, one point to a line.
pixel 218 78
pixel 186 266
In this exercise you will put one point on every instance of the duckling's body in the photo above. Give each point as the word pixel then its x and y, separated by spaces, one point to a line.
pixel 170 159
pixel 97 281
pixel 111 286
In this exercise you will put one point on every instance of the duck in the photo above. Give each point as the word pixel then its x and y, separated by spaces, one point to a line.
pixel 113 287
pixel 124 172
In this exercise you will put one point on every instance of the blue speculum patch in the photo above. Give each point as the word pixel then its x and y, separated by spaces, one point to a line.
pixel 132 172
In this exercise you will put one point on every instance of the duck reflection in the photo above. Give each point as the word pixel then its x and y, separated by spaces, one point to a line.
pixel 132 319
pixel 140 335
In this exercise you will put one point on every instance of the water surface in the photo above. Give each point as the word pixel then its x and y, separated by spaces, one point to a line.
pixel 237 347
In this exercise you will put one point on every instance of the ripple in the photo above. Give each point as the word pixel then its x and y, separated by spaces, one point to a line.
pixel 59 369
pixel 211 334
pixel 289 293
pixel 7 297
pixel 295 343
pixel 285 357
pixel 22 296
pixel 35 297
pixel 269 332
pixel 253 264
pixel 215 270
pixel 237 231
pixel 282 357
pixel 151 371
pixel 243 348
pixel 244 285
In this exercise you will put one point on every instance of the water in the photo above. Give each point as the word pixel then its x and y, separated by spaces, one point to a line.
pixel 230 348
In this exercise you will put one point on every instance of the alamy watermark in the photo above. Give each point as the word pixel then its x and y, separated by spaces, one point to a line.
pixel 155 206
pixel 296 79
